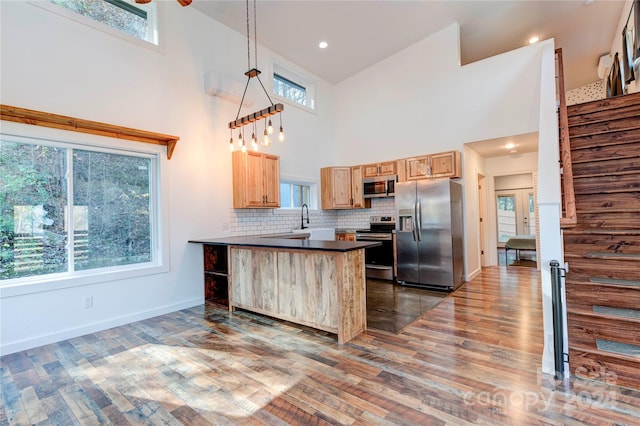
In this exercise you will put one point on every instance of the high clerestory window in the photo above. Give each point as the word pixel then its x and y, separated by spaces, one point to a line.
pixel 68 210
pixel 136 20
pixel 293 87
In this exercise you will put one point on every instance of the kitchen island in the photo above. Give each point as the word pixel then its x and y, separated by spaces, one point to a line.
pixel 316 283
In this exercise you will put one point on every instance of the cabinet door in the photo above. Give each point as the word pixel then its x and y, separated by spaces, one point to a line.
pixel 335 187
pixel 271 181
pixel 254 194
pixel 418 167
pixel 445 164
pixel 341 188
pixel 387 168
pixel 370 170
pixel 356 187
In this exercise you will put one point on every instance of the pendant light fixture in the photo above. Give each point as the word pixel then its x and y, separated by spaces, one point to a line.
pixel 273 109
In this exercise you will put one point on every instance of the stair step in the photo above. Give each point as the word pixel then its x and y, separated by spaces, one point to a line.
pixel 617 312
pixel 626 283
pixel 607 139
pixel 603 104
pixel 583 294
pixel 608 367
pixel 618 348
pixel 606 127
pixel 604 268
pixel 608 220
pixel 596 117
pixel 619 200
pixel 584 327
pixel 582 244
pixel 618 256
pixel 607 167
pixel 605 152
pixel 607 184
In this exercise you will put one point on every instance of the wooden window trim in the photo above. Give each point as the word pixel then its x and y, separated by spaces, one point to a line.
pixel 45 119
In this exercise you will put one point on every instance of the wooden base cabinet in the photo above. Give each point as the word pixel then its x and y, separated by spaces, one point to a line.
pixel 256 180
pixel 320 289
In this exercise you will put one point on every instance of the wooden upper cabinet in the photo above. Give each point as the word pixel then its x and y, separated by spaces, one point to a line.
pixel 341 188
pixel 379 169
pixel 335 185
pixel 256 180
pixel 418 167
pixel 357 191
pixel 445 164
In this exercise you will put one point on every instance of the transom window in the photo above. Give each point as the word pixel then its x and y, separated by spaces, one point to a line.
pixel 66 208
pixel 128 17
pixel 293 87
pixel 288 89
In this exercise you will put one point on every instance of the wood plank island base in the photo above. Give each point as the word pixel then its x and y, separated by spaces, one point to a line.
pixel 319 284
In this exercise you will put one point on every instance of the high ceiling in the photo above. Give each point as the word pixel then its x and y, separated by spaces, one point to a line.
pixel 361 33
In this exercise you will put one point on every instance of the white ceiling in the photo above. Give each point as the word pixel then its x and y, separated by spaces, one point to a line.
pixel 501 147
pixel 361 33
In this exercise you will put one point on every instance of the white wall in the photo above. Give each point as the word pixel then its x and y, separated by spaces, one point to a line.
pixel 416 102
pixel 422 101
pixel 54 64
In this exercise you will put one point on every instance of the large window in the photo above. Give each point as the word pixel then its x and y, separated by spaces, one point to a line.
pixel 137 20
pixel 67 208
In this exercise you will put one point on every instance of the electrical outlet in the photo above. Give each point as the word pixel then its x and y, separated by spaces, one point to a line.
pixel 88 302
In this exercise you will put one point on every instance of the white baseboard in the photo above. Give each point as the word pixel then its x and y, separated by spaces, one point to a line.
pixel 472 275
pixel 34 342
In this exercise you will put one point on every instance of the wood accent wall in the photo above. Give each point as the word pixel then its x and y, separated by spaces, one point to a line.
pixel 319 289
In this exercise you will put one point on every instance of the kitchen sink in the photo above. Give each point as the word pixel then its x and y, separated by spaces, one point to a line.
pixel 326 234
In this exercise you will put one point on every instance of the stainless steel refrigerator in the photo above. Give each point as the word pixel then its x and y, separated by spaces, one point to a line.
pixel 429 246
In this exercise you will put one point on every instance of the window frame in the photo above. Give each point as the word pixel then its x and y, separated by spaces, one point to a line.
pixel 313 193
pixel 152 10
pixel 22 133
pixel 297 79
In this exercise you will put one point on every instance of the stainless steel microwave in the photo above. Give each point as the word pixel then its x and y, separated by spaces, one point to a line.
pixel 381 186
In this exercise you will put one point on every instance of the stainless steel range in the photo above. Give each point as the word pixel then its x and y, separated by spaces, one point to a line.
pixel 379 260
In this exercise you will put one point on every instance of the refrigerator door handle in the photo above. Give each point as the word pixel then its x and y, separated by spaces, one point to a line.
pixel 413 225
pixel 419 219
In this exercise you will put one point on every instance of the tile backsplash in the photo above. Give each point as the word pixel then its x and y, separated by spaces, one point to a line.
pixel 271 221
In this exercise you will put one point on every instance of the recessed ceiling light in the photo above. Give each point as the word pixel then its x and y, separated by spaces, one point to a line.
pixel 534 39
pixel 510 145
pixel 323 45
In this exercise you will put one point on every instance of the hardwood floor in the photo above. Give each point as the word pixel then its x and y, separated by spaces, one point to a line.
pixel 392 307
pixel 474 358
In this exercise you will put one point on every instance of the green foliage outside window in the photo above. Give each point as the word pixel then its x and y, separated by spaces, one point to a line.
pixel 109 220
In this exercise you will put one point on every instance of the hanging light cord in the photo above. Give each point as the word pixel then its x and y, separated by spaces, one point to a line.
pixel 255 51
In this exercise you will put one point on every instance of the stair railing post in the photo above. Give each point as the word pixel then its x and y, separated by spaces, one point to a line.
pixel 558 315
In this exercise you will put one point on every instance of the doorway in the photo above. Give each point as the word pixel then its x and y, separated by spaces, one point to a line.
pixel 516 213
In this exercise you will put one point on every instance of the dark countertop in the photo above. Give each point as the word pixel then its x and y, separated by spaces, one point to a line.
pixel 288 243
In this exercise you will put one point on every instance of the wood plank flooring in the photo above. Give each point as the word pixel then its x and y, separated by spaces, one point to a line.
pixel 473 359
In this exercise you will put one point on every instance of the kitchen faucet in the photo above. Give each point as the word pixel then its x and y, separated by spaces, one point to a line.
pixel 302 216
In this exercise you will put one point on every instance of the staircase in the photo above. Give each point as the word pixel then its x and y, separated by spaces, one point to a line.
pixel 603 249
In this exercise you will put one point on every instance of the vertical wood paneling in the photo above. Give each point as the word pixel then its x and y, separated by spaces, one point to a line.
pixel 320 289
